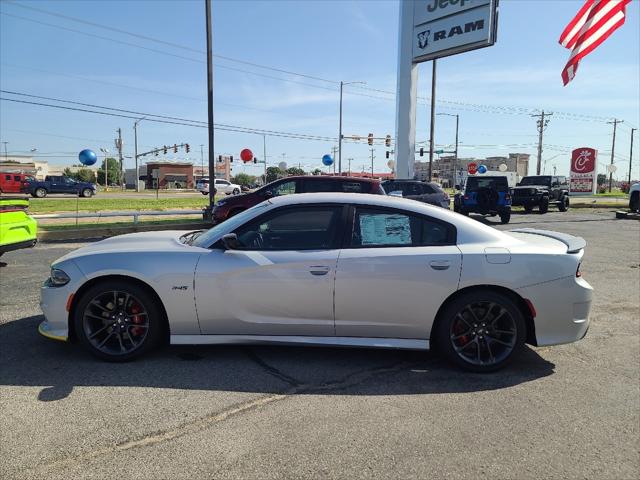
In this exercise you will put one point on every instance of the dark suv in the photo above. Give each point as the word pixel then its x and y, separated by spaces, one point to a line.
pixel 430 193
pixel 541 191
pixel 230 206
pixel 486 195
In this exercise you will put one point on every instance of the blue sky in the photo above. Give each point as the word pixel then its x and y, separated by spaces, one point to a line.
pixel 491 89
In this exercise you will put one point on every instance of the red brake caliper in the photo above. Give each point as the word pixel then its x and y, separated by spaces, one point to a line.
pixel 136 319
pixel 458 328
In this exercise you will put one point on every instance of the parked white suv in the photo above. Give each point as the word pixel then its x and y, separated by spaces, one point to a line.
pixel 634 197
pixel 221 186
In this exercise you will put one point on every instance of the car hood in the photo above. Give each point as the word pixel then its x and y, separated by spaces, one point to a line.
pixel 143 242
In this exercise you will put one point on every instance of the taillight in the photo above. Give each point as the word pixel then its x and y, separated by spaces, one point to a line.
pixel 578 272
pixel 466 197
pixel 507 196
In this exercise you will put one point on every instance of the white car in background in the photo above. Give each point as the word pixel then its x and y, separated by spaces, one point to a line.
pixel 325 269
pixel 221 186
pixel 634 197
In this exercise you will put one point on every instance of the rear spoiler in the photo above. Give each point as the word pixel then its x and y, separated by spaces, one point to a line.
pixel 574 244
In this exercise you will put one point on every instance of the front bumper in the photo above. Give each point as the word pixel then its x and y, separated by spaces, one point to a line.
pixel 525 201
pixel 562 309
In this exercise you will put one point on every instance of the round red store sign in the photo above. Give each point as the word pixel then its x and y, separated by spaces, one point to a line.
pixel 472 168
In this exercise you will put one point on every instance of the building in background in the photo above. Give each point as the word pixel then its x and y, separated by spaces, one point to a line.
pixel 169 175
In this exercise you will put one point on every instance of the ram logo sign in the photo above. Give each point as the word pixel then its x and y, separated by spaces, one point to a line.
pixel 446 27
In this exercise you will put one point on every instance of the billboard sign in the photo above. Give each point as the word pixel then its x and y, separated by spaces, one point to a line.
pixel 583 173
pixel 447 27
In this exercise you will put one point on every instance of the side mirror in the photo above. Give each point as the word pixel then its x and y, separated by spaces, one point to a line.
pixel 518 184
pixel 268 193
pixel 231 242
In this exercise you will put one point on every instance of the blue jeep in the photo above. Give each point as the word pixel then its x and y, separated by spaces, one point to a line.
pixel 485 195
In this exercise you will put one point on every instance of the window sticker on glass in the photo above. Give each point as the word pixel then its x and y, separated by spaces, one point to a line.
pixel 385 229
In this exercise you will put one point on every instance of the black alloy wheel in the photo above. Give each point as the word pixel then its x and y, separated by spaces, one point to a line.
pixel 481 331
pixel 563 205
pixel 117 321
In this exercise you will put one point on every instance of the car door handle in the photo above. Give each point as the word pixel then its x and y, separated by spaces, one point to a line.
pixel 318 270
pixel 443 265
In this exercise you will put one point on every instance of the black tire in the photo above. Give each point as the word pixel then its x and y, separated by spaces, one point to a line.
pixel 40 192
pixel 94 321
pixel 563 206
pixel 495 310
pixel 236 191
pixel 87 193
pixel 505 217
pixel 528 209
pixel 205 193
pixel 544 205
pixel 634 202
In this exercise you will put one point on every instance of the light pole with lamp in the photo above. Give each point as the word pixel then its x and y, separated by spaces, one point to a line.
pixel 342 84
pixel 455 164
pixel 135 150
pixel 106 168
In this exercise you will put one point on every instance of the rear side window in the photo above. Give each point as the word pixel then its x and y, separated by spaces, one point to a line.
pixel 354 187
pixel 16 178
pixel 390 228
pixel 7 177
pixel 319 185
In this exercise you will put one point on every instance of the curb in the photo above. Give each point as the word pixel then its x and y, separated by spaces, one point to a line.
pixel 104 232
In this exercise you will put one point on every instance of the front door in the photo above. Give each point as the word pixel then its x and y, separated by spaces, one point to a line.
pixel 397 271
pixel 280 282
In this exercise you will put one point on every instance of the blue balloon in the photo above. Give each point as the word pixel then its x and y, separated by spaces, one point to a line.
pixel 482 169
pixel 327 160
pixel 87 157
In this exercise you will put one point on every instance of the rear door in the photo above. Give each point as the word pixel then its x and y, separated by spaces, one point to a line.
pixel 394 272
pixel 280 282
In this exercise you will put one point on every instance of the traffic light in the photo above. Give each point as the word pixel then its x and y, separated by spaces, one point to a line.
pixel 386 154
pixel 387 141
pixel 421 151
pixel 231 158
pixel 219 158
pixel 164 149
pixel 255 159
pixel 175 148
pixel 186 147
pixel 370 139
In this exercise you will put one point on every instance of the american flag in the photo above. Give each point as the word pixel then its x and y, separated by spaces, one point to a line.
pixel 596 20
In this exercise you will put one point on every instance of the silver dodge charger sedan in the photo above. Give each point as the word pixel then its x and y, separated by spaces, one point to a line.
pixel 325 269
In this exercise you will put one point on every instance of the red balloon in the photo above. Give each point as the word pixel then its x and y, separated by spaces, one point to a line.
pixel 246 155
pixel 472 168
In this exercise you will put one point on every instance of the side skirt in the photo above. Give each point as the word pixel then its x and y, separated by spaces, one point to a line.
pixel 399 343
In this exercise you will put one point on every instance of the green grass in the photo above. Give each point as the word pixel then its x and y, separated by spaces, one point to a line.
pixel 613 194
pixel 86 226
pixel 51 205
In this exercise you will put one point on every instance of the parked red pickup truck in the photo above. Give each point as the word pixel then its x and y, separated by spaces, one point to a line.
pixel 14 182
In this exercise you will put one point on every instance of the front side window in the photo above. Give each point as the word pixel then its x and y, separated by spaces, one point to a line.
pixel 222 182
pixel 7 177
pixel 284 188
pixel 388 228
pixel 299 228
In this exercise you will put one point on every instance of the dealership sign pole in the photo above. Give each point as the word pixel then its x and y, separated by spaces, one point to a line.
pixel 431 29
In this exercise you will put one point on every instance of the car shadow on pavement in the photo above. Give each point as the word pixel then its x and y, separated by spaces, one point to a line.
pixel 27 359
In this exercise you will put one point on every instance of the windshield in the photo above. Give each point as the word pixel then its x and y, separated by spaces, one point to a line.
pixel 498 183
pixel 537 180
pixel 207 237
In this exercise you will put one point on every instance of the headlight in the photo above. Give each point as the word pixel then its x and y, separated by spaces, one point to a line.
pixel 58 278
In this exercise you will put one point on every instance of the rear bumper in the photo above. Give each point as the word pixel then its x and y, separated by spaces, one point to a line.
pixel 18 245
pixel 562 310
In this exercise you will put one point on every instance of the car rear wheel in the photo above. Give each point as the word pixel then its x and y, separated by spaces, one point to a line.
pixel 86 193
pixel 236 191
pixel 40 192
pixel 205 193
pixel 563 206
pixel 480 331
pixel 505 217
pixel 118 321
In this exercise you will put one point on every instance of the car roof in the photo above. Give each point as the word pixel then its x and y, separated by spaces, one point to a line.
pixel 330 177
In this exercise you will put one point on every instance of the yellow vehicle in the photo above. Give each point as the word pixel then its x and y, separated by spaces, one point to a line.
pixel 17 228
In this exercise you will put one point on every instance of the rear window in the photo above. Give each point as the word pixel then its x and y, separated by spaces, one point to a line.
pixel 498 183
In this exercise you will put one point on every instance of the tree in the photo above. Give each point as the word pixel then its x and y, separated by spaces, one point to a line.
pixel 82 174
pixel 273 173
pixel 602 178
pixel 113 173
pixel 244 179
pixel 295 171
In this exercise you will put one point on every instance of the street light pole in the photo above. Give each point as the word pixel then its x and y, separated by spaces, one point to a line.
pixel 135 151
pixel 631 155
pixel 212 166
pixel 264 156
pixel 6 157
pixel 455 161
pixel 342 84
pixel 201 162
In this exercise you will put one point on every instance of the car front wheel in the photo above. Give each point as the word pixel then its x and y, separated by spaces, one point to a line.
pixel 118 321
pixel 544 205
pixel 86 193
pixel 40 192
pixel 480 331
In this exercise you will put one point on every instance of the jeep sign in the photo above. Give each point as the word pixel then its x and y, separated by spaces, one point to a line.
pixel 447 27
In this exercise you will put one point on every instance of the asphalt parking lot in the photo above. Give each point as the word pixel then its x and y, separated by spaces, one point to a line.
pixel 255 412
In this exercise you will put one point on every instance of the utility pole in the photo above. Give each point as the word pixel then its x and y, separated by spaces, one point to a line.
pixel 349 174
pixel 119 147
pixel 433 117
pixel 340 132
pixel 202 162
pixel 372 157
pixel 5 151
pixel 264 156
pixel 135 150
pixel 334 149
pixel 212 165
pixel 542 125
pixel 613 148
pixel 631 155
